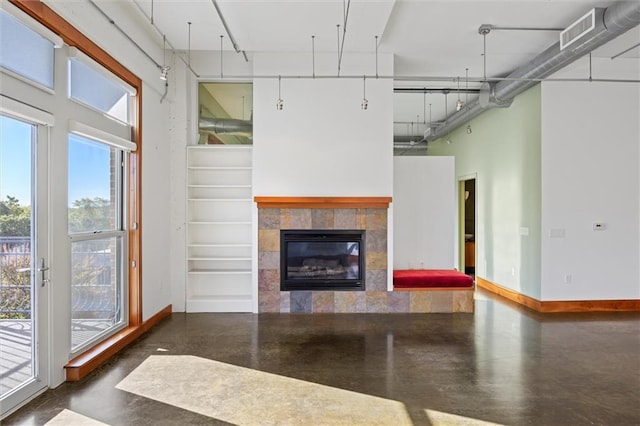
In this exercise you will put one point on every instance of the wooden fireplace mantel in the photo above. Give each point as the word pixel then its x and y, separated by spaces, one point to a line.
pixel 323 202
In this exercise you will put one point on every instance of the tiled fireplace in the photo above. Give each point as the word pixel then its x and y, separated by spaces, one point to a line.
pixel 369 214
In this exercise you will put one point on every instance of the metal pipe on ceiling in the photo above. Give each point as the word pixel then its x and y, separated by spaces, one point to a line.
pixel 611 22
pixel 116 26
pixel 432 91
pixel 226 28
pixel 163 36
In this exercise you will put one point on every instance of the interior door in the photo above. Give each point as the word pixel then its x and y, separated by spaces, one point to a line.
pixel 23 262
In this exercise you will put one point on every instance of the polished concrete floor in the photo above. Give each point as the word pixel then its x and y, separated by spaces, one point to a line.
pixel 501 365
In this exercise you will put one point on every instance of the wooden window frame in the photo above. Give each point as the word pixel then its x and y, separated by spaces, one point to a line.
pixel 84 363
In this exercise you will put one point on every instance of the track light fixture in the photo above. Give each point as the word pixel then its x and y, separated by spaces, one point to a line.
pixel 365 103
pixel 279 102
pixel 466 82
pixel 469 131
pixel 164 70
pixel 459 103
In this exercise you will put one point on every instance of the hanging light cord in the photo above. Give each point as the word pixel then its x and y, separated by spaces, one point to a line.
pixel 189 45
pixel 484 55
pixel 221 57
pixel 313 55
pixel 424 106
pixel 466 79
pixel 338 33
pixel 376 56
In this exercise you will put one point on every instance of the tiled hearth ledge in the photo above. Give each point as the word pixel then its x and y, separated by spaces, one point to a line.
pixel 368 213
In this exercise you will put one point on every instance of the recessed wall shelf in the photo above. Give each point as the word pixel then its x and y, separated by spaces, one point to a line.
pixel 219 223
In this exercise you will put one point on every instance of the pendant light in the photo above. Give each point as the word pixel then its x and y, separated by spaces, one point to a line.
pixel 365 103
pixel 279 102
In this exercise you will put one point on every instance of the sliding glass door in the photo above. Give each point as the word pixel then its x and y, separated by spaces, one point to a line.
pixel 23 260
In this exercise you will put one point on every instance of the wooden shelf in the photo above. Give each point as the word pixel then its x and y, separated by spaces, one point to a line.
pixel 322 202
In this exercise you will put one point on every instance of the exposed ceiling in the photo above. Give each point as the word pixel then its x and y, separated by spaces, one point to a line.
pixel 429 38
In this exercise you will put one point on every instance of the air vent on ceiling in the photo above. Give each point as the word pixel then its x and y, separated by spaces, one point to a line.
pixel 578 29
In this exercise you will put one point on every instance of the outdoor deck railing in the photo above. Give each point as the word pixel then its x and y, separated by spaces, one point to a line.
pixel 92 299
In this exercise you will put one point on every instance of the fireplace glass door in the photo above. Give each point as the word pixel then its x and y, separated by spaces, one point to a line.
pixel 322 260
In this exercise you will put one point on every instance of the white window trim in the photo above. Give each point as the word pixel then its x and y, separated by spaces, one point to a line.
pixel 34 25
pixel 26 112
pixel 87 131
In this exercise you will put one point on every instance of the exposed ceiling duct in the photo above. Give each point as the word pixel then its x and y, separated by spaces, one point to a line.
pixel 225 125
pixel 609 23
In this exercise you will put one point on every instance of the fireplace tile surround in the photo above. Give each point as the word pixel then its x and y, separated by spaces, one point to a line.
pixel 375 298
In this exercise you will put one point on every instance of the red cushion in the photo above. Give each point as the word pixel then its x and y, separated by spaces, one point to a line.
pixel 425 278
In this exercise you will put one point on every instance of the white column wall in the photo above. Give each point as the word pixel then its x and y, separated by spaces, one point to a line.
pixel 590 173
pixel 322 143
pixel 156 284
pixel 425 212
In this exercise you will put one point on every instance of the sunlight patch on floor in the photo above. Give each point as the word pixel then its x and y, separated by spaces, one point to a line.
pixel 243 396
pixel 71 418
pixel 438 418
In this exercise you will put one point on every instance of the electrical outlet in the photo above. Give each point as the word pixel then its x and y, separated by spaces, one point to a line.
pixel 567 279
pixel 513 271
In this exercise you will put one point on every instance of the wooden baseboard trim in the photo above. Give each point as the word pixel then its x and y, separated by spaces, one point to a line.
pixel 80 366
pixel 557 306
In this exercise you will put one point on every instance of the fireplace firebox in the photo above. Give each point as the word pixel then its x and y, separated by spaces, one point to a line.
pixel 322 260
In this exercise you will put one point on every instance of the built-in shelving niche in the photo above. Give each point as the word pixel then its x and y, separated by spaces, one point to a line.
pixel 219 229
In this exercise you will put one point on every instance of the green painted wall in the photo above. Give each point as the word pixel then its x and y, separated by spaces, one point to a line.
pixel 504 151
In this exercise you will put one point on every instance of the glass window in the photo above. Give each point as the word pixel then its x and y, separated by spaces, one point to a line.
pixel 111 98
pixel 25 52
pixel 225 113
pixel 97 240
pixel 93 183
pixel 96 288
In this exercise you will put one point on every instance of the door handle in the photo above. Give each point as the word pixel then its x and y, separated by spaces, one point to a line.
pixel 43 269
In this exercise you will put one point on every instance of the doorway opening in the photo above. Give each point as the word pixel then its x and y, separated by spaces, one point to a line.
pixel 467 226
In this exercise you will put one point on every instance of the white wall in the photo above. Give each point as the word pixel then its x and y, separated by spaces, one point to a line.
pixel 424 212
pixel 156 284
pixel 590 163
pixel 322 143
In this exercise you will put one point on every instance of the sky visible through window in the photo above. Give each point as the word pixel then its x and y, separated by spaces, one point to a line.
pixel 89 178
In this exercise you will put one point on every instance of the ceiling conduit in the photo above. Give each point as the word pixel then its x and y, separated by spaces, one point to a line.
pixel 225 125
pixel 610 23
